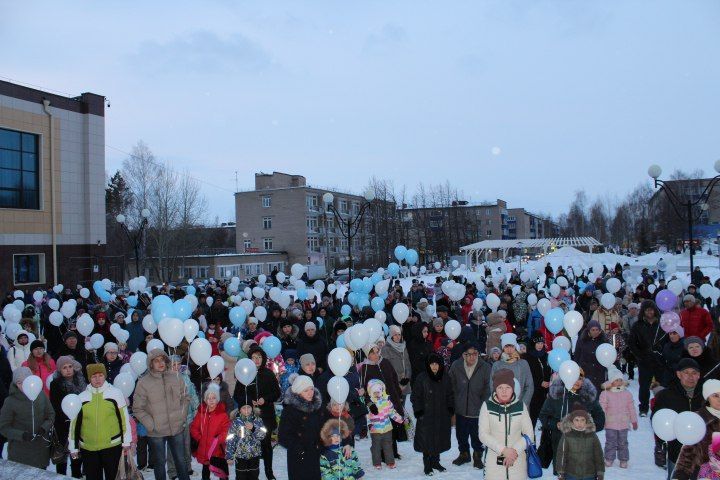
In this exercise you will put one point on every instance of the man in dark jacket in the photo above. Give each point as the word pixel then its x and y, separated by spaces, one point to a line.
pixel 646 343
pixel 470 380
pixel 683 395
pixel 588 342
pixel 310 342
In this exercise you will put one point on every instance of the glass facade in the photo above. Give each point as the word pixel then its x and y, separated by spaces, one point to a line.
pixel 19 170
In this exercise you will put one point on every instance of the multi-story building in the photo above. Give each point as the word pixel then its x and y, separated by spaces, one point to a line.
pixel 284 214
pixel 52 180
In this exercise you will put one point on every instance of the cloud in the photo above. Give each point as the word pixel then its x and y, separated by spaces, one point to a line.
pixel 389 34
pixel 203 52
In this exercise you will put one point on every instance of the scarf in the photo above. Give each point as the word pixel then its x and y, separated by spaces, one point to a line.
pixel 75 385
pixel 511 358
pixel 398 347
pixel 715 413
pixel 469 369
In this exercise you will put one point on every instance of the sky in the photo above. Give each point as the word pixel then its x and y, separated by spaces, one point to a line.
pixel 527 101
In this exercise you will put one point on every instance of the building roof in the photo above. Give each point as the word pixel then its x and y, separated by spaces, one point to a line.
pixel 543 243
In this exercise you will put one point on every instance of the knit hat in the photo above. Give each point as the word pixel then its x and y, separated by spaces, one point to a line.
pixel 306 359
pixel 593 324
pixel 423 300
pixel 693 339
pixel 689 298
pixel 64 360
pixel 503 376
pixel 679 330
pixel 94 368
pixel 578 410
pixel 69 334
pixel 20 374
pixel 310 326
pixel 537 338
pixel 633 305
pixel 495 350
pixel 615 374
pixel 286 322
pixel 709 387
pixel 437 322
pixel 613 326
pixel 110 347
pixel 301 383
pixel 394 329
pixel 686 363
pixel 508 339
pixel 442 308
pixel 252 320
pixel 36 344
pixel 290 353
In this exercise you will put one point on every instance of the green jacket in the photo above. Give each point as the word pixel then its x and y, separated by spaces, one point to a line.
pixel 103 421
pixel 579 453
pixel 16 418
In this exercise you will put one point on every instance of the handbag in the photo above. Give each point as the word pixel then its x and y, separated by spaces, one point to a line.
pixel 534 467
pixel 58 451
pixel 218 465
pixel 127 470
pixel 545 450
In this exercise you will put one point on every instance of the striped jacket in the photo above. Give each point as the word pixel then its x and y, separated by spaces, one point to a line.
pixel 381 422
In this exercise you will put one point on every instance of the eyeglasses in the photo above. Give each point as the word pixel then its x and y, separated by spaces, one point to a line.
pixel 470 355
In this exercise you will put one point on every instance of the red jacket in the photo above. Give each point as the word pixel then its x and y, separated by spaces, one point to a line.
pixel 696 321
pixel 205 428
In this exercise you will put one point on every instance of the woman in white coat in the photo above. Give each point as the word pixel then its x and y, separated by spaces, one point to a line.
pixel 503 421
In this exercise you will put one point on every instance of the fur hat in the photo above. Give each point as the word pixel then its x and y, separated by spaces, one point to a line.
pixel 300 384
pixel 689 298
pixel 334 426
pixel 64 360
pixel 20 374
pixel 437 322
pixel 578 410
pixel 247 345
pixel 504 376
pixel 94 368
pixel 709 387
pixel 285 322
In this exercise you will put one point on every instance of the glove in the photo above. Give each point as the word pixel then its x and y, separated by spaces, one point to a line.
pixel 373 409
pixel 27 436
pixel 635 426
pixel 404 381
pixel 451 411
pixel 418 413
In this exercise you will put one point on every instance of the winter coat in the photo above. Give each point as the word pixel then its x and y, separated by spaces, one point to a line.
pixel 299 433
pixel 383 371
pixel 619 407
pixel 469 393
pixel 137 334
pixel 520 307
pixel 288 342
pixel 161 400
pixel 541 372
pixel 495 329
pixel 579 453
pixel 676 398
pixel 693 456
pixel 17 355
pixel 418 349
pixel 264 386
pixel 696 321
pixel 333 464
pixel 672 353
pixel 605 318
pixel 523 375
pixel 43 370
pixel 707 364
pixel 59 389
pixel 501 426
pixel 381 422
pixel 399 358
pixel 193 399
pixel 208 427
pixel 242 444
pixel 534 323
pixel 112 368
pixel 352 378
pixel 433 402
pixel 646 343
pixel 16 418
pixel 585 357
pixel 316 346
pixel 103 421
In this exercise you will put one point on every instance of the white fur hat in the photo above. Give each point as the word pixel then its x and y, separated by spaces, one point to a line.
pixel 710 387
pixel 300 384
pixel 508 339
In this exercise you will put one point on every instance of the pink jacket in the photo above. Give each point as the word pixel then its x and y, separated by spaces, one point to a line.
pixel 619 409
pixel 44 372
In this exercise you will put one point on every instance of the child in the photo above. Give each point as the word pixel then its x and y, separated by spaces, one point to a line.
pixel 617 403
pixel 495 353
pixel 243 444
pixel 579 453
pixel 380 426
pixel 711 469
pixel 333 464
pixel 209 429
pixel 445 351
pixel 291 366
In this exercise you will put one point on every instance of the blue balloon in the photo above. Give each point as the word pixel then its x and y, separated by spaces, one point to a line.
pixel 161 312
pixel 400 252
pixel 556 357
pixel 375 278
pixel 105 296
pixel 182 309
pixel 367 285
pixel 377 304
pixel 232 346
pixel 201 334
pixel 129 313
pixel 353 298
pixel 320 321
pixel 340 342
pixel 554 320
pixel 356 285
pixel 393 269
pixel 161 300
pixel 384 295
pixel 271 346
pixel 363 302
pixel 302 294
pixel 385 329
pixel 190 290
pixel 345 310
pixel 132 300
pixel 237 316
pixel 411 257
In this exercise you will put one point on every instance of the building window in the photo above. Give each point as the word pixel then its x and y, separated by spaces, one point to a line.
pixel 266 201
pixel 487 212
pixel 312 202
pixel 267 223
pixel 330 224
pixel 355 208
pixel 489 233
pixel 19 170
pixel 279 265
pixel 29 268
pixel 313 244
pixel 312 224
pixel 247 244
pixel 343 206
pixel 267 243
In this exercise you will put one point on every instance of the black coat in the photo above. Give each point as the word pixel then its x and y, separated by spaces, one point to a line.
pixel 541 372
pixel 316 346
pixel 59 390
pixel 585 357
pixel 113 368
pixel 383 371
pixel 647 341
pixel 299 433
pixel 264 386
pixel 675 398
pixel 672 354
pixel 433 403
pixel 418 349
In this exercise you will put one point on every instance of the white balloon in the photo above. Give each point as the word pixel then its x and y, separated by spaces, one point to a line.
pixel 71 405
pixel 58 288
pixel 689 428
pixel 562 282
pixel 122 336
pixel 127 368
pixel 200 351
pixel 97 341
pixel 155 344
pixel 114 329
pixel 705 290
pixel 562 343
pixel 319 285
pixel 190 329
pixel 607 300
pixel 138 362
pixel 245 371
pixel 359 335
pixel 84 292
pixel 382 286
pixel 452 329
pixel 543 306
pixel 338 389
pixel 274 294
pixel 248 306
pixel 149 324
pixel 381 316
pixel 663 424
pixel 714 294
pixel 37 296
pixel 258 292
pixel 675 287
pixel 332 288
pixel 477 304
pixel 106 284
pixel 606 354
pixel 375 330
pixel 53 303
pixel 56 319
pixel 348 340
pixel 193 301
pixel 209 301
pixel 12 330
pixel 569 373
pixel 171 331
pixel 339 361
pixel 297 270
pixel 651 288
pixel 554 290
pixel 400 313
pixel 215 366
pixel 248 292
pixel 125 383
pixel 32 386
pixel 572 322
pixel 262 279
pixel 492 301
pixel 280 277
pixel 613 285
pixel 284 301
pixel 84 325
pixel 260 313
pixel 532 299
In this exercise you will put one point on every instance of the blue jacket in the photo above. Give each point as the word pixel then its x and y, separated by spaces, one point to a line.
pixel 534 322
pixel 137 335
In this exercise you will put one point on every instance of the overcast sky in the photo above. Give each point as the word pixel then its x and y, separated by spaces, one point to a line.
pixel 526 101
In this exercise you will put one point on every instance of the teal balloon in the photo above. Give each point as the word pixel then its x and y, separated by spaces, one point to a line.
pixel 320 321
pixel 556 357
pixel 302 294
pixel 377 304
pixel 386 330
pixel 190 290
pixel 554 320
pixel 132 300
pixel 232 346
pixel 162 311
pixel 340 342
pixel 411 257
pixel 363 302
pixel 237 316
pixel 160 300
pixel 400 252
pixel 375 278
pixel 367 285
pixel 353 298
pixel 271 346
pixel 393 269
pixel 345 310
pixel 356 285
pixel 201 334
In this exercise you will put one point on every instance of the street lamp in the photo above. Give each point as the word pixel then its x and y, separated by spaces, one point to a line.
pixel 520 251
pixel 348 228
pixel 136 238
pixel 675 201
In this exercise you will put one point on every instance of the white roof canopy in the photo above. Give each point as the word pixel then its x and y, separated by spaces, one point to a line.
pixel 539 243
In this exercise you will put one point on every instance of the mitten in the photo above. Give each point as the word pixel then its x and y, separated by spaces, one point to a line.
pixel 373 409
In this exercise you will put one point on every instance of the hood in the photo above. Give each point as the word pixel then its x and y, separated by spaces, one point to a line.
pixel 587 393
pixel 155 354
pixel 293 334
pixel 330 426
pixel 434 358
pixel 646 304
pixel 565 425
pixel 607 385
pixel 301 404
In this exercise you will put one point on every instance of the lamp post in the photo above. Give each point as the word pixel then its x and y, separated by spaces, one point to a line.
pixel 520 251
pixel 348 228
pixel 687 203
pixel 136 238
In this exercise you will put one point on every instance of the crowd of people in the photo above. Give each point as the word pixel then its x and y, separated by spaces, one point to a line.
pixel 493 381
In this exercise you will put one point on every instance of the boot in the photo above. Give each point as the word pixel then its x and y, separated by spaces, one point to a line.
pixel 427 467
pixel 435 463
pixel 660 454
pixel 477 460
pixel 269 474
pixel 462 459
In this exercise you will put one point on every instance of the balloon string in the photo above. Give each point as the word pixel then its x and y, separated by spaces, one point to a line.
pixel 32 411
